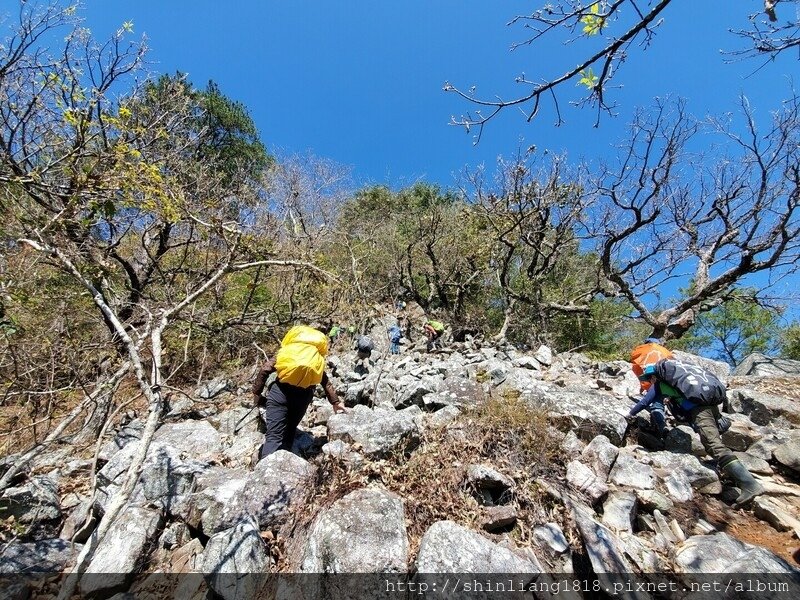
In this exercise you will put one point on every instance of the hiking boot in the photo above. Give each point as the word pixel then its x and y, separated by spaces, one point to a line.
pixel 749 487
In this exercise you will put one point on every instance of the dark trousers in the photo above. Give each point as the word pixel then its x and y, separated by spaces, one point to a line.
pixel 281 414
pixel 705 420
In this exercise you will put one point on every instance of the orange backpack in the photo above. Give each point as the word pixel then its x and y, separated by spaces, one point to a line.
pixel 645 354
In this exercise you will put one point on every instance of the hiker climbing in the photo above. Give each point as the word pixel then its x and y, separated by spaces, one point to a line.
pixel 649 353
pixel 395 334
pixel 433 331
pixel 692 390
pixel 334 333
pixel 290 378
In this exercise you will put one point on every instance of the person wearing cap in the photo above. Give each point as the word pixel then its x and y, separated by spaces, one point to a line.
pixel 704 419
pixel 650 352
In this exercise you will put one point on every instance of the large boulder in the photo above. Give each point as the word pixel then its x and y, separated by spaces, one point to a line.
pixel 34 501
pixel 44 556
pixel 604 549
pixel 586 412
pixel 760 365
pixel 722 553
pixel 448 547
pixel 686 468
pixel 583 479
pixel 455 391
pixel 600 455
pixel 788 454
pixel 121 553
pixel 629 472
pixel 196 439
pixel 215 490
pixel 279 484
pixel 364 532
pixel 167 477
pixel 378 431
pixel 235 421
pixel 235 561
pixel 619 511
pixel 764 409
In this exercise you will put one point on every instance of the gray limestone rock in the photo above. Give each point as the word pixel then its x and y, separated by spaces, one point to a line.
pixel 583 479
pixel 783 516
pixel 588 413
pixel 279 484
pixel 722 553
pixel 571 445
pixel 544 355
pixel 378 431
pixel 485 477
pixel 551 537
pixel 629 472
pixel 764 409
pixel 34 501
pixel 213 388
pixel 741 435
pixel 754 464
pixel 131 432
pixel 619 511
pixel 498 517
pixel 684 440
pixel 651 500
pixel 44 556
pixel 235 561
pixel 686 467
pixel 600 455
pixel 759 365
pixel 196 439
pixel 364 532
pixel 604 549
pixel 443 417
pixel 215 490
pixel 120 554
pixel 788 454
pixel 448 547
pixel 236 421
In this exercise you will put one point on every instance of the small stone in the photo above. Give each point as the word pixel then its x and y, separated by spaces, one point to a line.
pixel 498 517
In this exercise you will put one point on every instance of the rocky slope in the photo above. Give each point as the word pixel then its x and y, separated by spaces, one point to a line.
pixel 476 459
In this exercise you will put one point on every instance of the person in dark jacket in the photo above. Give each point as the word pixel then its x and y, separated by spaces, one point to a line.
pixel 284 407
pixel 704 418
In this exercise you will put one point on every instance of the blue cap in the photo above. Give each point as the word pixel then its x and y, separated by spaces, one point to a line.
pixel 652 340
pixel 648 371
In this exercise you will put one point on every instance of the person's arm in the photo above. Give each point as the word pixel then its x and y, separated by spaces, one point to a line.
pixel 261 379
pixel 330 393
pixel 646 401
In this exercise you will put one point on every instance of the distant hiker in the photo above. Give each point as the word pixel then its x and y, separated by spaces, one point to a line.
pixel 395 334
pixel 291 378
pixel 334 334
pixel 697 392
pixel 649 353
pixel 433 331
pixel 400 304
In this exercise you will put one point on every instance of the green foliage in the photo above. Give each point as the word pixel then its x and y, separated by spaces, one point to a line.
pixel 601 333
pixel 790 341
pixel 735 329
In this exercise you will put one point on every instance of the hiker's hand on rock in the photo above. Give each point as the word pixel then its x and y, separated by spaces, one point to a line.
pixel 339 407
pixel 630 418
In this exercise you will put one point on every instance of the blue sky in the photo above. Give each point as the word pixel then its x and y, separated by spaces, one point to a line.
pixel 361 82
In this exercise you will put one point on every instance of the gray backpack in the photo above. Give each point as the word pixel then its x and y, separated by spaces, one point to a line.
pixel 694 383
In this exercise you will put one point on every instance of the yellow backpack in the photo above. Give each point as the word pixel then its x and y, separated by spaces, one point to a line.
pixel 301 359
